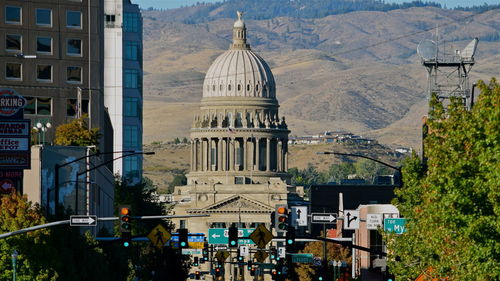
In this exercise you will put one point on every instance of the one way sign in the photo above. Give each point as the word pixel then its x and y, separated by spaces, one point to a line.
pixel 351 219
pixel 83 220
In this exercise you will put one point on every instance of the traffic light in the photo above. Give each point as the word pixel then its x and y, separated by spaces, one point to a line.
pixel 195 261
pixel 233 236
pixel 290 239
pixel 205 252
pixel 240 258
pixel 197 275
pixel 183 237
pixel 281 218
pixel 273 254
pixel 249 265
pixel 125 226
pixel 252 271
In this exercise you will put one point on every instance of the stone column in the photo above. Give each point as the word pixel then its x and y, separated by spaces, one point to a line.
pixel 203 155
pixel 278 154
pixel 268 154
pixel 231 154
pixel 209 154
pixel 219 155
pixel 224 155
pixel 191 160
pixel 245 154
pixel 285 156
pixel 257 153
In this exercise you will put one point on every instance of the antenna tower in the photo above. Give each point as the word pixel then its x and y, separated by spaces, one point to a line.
pixel 448 72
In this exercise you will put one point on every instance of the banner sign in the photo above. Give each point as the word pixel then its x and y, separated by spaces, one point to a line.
pixel 11 103
pixel 15 128
pixel 14 144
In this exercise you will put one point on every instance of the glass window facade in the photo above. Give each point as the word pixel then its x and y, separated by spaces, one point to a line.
pixel 132 50
pixel 44 72
pixel 131 78
pixel 72 107
pixel 44 45
pixel 74 19
pixel 43 17
pixel 13 42
pixel 13 71
pixel 131 167
pixel 38 106
pixel 131 22
pixel 12 15
pixel 74 47
pixel 132 137
pixel 132 107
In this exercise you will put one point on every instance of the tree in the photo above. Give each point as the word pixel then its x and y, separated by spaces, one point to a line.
pixel 451 201
pixel 77 133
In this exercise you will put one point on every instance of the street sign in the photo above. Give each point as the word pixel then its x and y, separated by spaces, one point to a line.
pixel 260 256
pixel 323 217
pixel 220 236
pixel 266 265
pixel 281 252
pixel 189 251
pixel 221 256
pixel 302 258
pixel 373 221
pixel 244 251
pixel 195 240
pixel 83 220
pixel 299 215
pixel 351 219
pixel 261 236
pixel 317 261
pixel 395 225
pixel 159 236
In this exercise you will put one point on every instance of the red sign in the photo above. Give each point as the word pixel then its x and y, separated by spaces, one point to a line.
pixel 10 102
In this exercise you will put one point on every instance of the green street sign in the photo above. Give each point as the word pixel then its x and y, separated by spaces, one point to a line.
pixel 220 236
pixel 397 226
pixel 265 265
pixel 302 258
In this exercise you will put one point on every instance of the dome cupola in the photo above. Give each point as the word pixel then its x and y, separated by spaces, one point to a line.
pixel 239 72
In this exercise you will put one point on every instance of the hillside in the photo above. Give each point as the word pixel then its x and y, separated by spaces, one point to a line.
pixel 357 71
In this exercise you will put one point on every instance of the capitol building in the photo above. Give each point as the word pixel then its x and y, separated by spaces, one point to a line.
pixel 239 150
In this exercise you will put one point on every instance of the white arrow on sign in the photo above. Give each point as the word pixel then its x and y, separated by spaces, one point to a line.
pixel 83 220
pixel 323 218
pixel 215 236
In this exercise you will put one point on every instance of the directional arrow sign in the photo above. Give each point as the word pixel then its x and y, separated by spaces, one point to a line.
pixel 323 217
pixel 83 220
pixel 351 219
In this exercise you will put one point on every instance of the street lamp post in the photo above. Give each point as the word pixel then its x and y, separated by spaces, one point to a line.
pixel 42 127
pixel 398 169
pixel 14 264
pixel 103 164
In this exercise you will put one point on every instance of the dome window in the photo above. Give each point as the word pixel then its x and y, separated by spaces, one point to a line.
pixel 213 88
pixel 221 87
pixel 248 87
pixel 239 87
pixel 229 87
pixel 257 87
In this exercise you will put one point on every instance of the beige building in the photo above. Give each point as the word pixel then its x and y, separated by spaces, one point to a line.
pixel 238 146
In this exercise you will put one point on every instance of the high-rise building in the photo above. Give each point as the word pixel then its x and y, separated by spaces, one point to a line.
pixel 123 82
pixel 51 54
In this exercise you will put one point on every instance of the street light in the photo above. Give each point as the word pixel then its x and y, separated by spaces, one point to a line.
pixel 43 127
pixel 14 263
pixel 369 158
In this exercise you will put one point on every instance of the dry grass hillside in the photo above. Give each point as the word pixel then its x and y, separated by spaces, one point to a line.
pixel 356 71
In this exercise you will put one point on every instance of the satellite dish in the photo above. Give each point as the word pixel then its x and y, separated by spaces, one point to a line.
pixel 469 51
pixel 427 50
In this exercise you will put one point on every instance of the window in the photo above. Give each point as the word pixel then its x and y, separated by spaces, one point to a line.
pixel 131 136
pixel 74 19
pixel 38 106
pixel 239 156
pixel 74 74
pixel 130 22
pixel 213 156
pixel 74 47
pixel 13 42
pixel 132 108
pixel 132 50
pixel 110 18
pixel 72 107
pixel 44 72
pixel 13 71
pixel 44 45
pixel 43 17
pixel 131 166
pixel 12 15
pixel 131 78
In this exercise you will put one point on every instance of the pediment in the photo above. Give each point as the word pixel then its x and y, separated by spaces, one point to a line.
pixel 235 204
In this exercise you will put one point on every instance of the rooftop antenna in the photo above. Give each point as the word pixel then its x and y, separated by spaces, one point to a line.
pixel 448 73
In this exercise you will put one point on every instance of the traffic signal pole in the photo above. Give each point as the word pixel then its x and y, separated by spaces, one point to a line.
pixel 63 222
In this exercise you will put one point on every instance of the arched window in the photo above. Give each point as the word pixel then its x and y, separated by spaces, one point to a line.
pixel 239 87
pixel 229 87
pixel 248 87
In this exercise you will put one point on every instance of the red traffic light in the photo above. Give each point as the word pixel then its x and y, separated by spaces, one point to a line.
pixel 281 210
pixel 124 211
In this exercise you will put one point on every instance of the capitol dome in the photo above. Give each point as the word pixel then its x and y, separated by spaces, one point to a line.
pixel 239 72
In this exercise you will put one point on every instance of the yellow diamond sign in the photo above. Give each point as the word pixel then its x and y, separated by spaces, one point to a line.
pixel 261 236
pixel 221 256
pixel 260 256
pixel 159 236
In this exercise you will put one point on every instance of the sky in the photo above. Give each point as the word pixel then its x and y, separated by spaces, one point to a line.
pixel 170 4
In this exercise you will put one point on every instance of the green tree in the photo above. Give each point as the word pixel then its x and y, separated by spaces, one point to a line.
pixel 452 202
pixel 77 133
pixel 338 172
pixel 367 169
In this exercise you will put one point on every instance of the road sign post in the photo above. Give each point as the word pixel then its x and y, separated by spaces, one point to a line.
pixel 351 219
pixel 397 225
pixel 324 218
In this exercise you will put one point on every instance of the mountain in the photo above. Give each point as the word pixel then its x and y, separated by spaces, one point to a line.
pixel 356 71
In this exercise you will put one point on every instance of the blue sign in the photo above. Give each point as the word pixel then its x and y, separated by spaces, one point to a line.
pixel 220 236
pixel 192 237
pixel 397 226
pixel 302 258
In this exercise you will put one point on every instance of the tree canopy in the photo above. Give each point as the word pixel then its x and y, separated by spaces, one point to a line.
pixel 452 200
pixel 77 133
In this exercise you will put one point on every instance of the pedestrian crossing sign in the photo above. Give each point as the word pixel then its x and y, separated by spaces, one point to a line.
pixel 159 236
pixel 261 236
